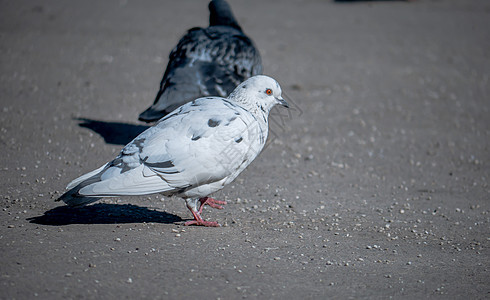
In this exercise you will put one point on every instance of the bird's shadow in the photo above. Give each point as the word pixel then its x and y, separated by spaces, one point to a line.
pixel 103 213
pixel 114 133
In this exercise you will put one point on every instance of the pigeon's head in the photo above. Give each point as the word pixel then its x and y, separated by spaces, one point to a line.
pixel 259 92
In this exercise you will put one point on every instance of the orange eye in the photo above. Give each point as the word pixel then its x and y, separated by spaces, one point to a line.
pixel 268 92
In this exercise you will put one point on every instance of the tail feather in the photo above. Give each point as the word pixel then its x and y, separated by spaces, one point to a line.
pixel 72 197
pixel 82 178
pixel 220 14
pixel 153 115
pixel 72 200
pixel 112 181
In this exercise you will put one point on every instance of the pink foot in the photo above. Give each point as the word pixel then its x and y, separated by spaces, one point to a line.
pixel 202 223
pixel 198 220
pixel 211 202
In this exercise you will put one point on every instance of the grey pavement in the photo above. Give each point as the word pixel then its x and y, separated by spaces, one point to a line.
pixel 375 186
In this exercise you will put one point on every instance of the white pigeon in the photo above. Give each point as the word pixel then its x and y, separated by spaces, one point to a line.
pixel 192 152
pixel 206 61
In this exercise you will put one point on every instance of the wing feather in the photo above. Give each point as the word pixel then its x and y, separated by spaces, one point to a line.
pixel 168 158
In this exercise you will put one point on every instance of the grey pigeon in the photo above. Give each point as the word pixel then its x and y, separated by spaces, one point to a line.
pixel 208 61
pixel 192 152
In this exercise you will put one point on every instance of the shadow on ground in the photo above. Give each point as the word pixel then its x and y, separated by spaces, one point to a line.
pixel 113 132
pixel 103 214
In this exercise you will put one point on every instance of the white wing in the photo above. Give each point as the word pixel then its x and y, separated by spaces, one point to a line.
pixel 202 142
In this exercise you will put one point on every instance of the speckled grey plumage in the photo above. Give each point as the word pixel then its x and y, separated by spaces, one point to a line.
pixel 208 61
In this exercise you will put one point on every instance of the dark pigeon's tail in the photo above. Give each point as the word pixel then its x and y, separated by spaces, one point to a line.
pixel 220 14
pixel 152 115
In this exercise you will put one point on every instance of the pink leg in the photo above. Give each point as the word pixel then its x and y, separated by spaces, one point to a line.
pixel 198 220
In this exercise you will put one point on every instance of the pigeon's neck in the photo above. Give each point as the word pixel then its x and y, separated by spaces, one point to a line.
pixel 220 14
pixel 259 110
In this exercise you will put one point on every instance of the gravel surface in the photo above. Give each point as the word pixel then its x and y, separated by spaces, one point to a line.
pixel 374 185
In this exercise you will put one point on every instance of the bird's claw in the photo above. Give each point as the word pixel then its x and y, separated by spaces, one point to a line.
pixel 211 202
pixel 202 223
pixel 198 220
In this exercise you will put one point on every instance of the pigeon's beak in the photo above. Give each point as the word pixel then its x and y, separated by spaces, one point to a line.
pixel 283 102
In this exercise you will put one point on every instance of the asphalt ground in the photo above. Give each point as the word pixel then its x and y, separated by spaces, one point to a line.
pixel 374 185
